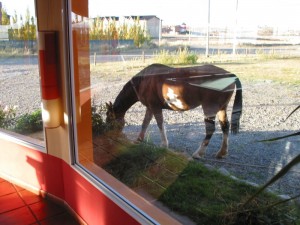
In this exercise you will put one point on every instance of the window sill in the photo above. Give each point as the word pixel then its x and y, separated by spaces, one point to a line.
pixel 23 140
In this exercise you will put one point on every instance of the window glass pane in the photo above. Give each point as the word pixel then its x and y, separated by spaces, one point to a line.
pixel 20 101
pixel 195 69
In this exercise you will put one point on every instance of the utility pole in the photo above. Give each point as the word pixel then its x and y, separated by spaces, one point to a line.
pixel 160 32
pixel 208 28
pixel 235 28
pixel 0 13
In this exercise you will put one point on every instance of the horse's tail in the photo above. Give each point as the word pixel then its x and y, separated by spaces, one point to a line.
pixel 237 107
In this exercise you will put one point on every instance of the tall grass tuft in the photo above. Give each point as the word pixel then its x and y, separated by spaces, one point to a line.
pixel 180 57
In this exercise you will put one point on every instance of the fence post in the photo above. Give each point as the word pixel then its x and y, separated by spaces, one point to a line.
pixel 143 56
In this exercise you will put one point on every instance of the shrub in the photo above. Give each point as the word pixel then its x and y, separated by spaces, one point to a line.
pixel 98 123
pixel 29 123
pixel 182 57
pixel 164 57
pixel 7 116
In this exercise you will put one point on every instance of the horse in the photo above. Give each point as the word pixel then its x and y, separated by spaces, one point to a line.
pixel 160 87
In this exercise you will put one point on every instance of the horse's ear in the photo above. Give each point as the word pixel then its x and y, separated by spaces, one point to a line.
pixel 109 106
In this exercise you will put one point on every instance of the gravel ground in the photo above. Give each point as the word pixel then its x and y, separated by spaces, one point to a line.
pixel 20 75
pixel 266 105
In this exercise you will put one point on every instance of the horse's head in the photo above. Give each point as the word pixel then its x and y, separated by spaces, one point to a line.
pixel 113 120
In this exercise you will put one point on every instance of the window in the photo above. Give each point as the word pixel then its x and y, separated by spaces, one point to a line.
pixel 116 48
pixel 20 101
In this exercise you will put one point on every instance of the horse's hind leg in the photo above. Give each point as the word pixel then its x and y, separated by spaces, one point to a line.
pixel 160 123
pixel 148 117
pixel 222 115
pixel 210 129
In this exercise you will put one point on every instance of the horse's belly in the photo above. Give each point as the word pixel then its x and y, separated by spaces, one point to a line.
pixel 176 98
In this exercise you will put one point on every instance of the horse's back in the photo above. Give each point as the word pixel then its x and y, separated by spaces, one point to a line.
pixel 205 70
pixel 154 69
pixel 163 71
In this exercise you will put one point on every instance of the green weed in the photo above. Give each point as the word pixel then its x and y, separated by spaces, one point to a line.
pixel 180 57
pixel 29 123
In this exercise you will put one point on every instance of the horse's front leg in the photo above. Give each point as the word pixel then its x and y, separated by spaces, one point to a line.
pixel 160 123
pixel 148 117
pixel 210 129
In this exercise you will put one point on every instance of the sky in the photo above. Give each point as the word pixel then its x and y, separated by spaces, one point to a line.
pixel 195 12
pixel 281 13
pixel 18 5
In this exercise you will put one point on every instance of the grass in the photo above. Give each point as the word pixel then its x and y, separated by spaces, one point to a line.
pixel 284 70
pixel 190 189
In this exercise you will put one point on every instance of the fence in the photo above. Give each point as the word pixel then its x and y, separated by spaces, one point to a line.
pixel 29 45
pixel 98 46
pixel 109 46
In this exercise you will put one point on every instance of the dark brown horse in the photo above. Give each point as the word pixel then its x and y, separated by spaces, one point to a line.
pixel 161 87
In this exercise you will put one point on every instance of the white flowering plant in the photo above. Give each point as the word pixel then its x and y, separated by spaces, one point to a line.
pixel 7 115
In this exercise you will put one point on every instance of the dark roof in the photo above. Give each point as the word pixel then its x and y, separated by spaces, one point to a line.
pixel 117 18
pixel 141 17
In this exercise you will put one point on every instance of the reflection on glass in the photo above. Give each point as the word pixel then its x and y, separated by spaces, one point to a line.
pixel 20 100
pixel 130 67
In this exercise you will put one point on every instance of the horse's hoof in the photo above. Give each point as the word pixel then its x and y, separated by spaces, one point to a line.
pixel 138 141
pixel 197 156
pixel 221 156
pixel 164 145
pixel 190 159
